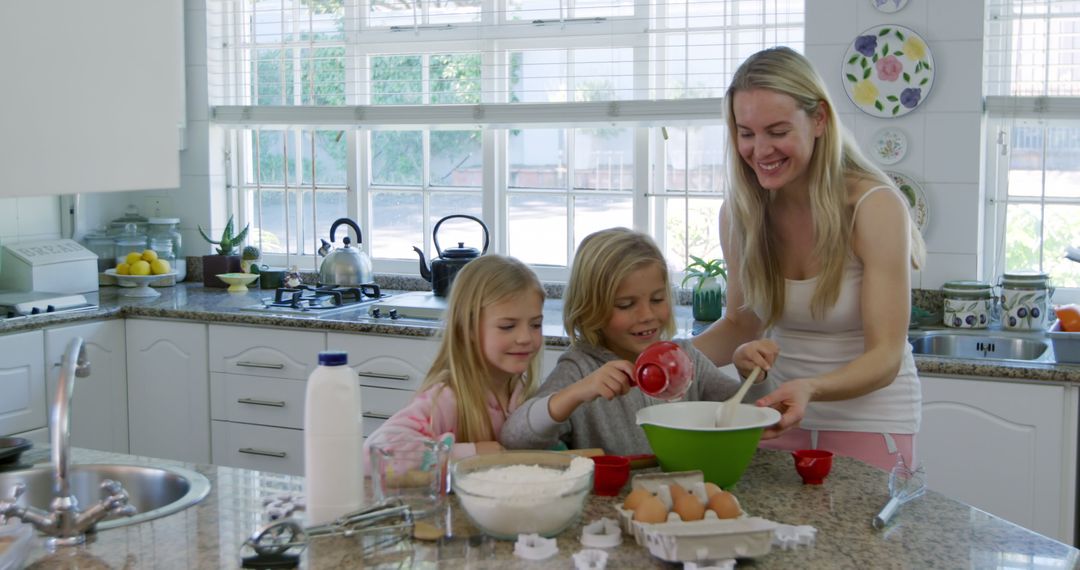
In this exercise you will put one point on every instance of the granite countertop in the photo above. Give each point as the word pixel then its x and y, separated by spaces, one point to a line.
pixel 191 301
pixel 932 531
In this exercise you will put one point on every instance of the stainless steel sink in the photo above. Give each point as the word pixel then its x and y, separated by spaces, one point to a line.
pixel 979 346
pixel 155 492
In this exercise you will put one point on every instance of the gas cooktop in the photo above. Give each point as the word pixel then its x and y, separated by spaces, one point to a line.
pixel 317 300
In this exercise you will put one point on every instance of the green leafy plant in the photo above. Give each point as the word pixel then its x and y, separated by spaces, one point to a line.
pixel 250 253
pixel 228 241
pixel 702 271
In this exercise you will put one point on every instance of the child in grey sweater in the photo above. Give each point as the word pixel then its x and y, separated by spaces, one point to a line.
pixel 616 304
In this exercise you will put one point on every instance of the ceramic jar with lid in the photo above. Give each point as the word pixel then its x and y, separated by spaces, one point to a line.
pixel 968 304
pixel 1025 300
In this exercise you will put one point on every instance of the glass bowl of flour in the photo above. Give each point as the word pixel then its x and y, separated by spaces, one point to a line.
pixel 522 492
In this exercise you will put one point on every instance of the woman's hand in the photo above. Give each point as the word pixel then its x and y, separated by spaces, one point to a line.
pixel 608 382
pixel 487 447
pixel 761 352
pixel 790 399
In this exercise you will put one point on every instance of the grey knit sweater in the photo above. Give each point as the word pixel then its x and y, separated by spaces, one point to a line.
pixel 610 425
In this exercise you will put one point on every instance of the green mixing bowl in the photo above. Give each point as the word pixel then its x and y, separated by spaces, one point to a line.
pixel 684 437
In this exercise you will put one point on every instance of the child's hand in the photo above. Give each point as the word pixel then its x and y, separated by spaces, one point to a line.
pixel 608 382
pixel 486 447
pixel 761 352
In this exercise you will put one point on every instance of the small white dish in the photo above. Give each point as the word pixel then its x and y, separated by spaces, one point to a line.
pixel 888 6
pixel 889 146
pixel 915 197
pixel 137 285
pixel 238 282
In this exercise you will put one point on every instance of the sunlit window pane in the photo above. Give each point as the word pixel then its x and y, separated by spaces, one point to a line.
pixel 397 158
pixel 330 205
pixel 270 207
pixel 272 72
pixel 529 10
pixel 330 157
pixel 454 11
pixel 593 213
pixel 691 227
pixel 456 231
pixel 537 216
pixel 697 164
pixel 399 224
pixel 537 158
pixel 1063 163
pixel 602 8
pixel 604 159
pixel 397 80
pixel 605 74
pixel 538 76
pixel 456 159
pixel 323 79
pixel 270 167
pixel 385 13
pixel 455 78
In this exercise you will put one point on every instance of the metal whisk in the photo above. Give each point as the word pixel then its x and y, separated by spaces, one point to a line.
pixel 904 485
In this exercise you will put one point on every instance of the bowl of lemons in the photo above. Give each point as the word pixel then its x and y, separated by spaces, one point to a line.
pixel 138 271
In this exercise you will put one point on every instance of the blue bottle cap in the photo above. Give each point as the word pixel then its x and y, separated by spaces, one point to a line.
pixel 333 358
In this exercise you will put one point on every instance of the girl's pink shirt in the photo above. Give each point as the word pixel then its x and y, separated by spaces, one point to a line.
pixel 433 414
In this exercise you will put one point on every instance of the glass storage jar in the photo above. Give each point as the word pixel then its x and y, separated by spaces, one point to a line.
pixel 1025 300
pixel 104 246
pixel 968 304
pixel 128 241
pixel 163 247
pixel 166 228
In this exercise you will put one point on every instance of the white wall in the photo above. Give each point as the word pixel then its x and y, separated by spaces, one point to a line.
pixel 944 134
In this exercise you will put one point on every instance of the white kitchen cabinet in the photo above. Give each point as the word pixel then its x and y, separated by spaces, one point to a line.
pixel 105 99
pixel 1007 448
pixel 168 390
pixel 99 402
pixel 258 380
pixel 22 383
pixel 389 370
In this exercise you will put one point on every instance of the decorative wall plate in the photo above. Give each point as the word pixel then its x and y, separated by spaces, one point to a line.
pixel 916 198
pixel 889 146
pixel 889 6
pixel 888 71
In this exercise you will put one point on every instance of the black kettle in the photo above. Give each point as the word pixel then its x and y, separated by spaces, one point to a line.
pixel 451 260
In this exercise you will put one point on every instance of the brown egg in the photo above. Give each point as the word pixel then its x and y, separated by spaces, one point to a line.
pixel 651 510
pixel 635 498
pixel 725 505
pixel 677 490
pixel 712 489
pixel 688 507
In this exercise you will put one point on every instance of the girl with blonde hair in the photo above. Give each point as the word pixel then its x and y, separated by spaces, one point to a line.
pixel 819 246
pixel 487 362
pixel 616 304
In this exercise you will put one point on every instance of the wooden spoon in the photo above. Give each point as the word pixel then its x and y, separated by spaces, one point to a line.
pixel 725 412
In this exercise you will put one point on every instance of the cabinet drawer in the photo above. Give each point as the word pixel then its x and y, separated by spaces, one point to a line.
pixel 381 403
pixel 22 382
pixel 263 448
pixel 265 352
pixel 387 362
pixel 254 400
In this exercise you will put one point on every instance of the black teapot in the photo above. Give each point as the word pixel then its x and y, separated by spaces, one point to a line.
pixel 451 260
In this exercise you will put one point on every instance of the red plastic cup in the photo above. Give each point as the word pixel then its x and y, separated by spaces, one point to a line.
pixel 813 465
pixel 663 370
pixel 611 473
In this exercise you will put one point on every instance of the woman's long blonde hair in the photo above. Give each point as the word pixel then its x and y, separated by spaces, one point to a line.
pixel 602 261
pixel 460 364
pixel 835 161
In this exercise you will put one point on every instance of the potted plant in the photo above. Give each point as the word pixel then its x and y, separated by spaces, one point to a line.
pixel 226 260
pixel 248 258
pixel 711 282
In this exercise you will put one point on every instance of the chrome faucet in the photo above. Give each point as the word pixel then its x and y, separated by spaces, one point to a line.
pixel 64 522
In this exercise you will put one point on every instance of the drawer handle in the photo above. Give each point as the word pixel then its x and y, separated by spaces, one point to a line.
pixel 253 451
pixel 375 416
pixel 383 376
pixel 255 402
pixel 260 365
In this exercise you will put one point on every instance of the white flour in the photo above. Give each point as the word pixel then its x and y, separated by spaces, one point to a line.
pixel 522 499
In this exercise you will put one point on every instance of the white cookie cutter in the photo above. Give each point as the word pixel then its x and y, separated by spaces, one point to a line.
pixel 602 533
pixel 788 536
pixel 535 547
pixel 590 559
pixel 727 564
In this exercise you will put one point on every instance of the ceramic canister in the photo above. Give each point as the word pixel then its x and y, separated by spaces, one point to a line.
pixel 968 304
pixel 1025 300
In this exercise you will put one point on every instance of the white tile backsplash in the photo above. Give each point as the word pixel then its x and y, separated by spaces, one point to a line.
pixel 953 225
pixel 955 19
pixel 952 148
pixel 942 267
pixel 957 83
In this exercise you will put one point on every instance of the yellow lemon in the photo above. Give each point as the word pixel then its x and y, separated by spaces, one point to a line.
pixel 159 267
pixel 123 269
pixel 149 255
pixel 133 257
pixel 140 268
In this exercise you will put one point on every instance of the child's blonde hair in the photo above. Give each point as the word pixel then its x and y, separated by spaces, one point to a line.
pixel 460 364
pixel 603 260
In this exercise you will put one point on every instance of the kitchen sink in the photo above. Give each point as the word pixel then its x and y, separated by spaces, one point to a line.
pixel 154 491
pixel 979 346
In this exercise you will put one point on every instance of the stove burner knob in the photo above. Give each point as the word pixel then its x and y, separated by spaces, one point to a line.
pixel 35 310
pixel 376 312
pixel 50 309
pixel 393 313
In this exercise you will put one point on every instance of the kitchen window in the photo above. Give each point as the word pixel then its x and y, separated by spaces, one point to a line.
pixel 549 120
pixel 1032 87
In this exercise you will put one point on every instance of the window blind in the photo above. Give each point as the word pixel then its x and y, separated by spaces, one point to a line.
pixel 484 62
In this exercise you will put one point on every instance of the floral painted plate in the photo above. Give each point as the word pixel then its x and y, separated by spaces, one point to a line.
pixel 916 198
pixel 889 6
pixel 889 146
pixel 888 71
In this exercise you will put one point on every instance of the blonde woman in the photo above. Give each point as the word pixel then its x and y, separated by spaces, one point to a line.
pixel 616 304
pixel 486 365
pixel 819 247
